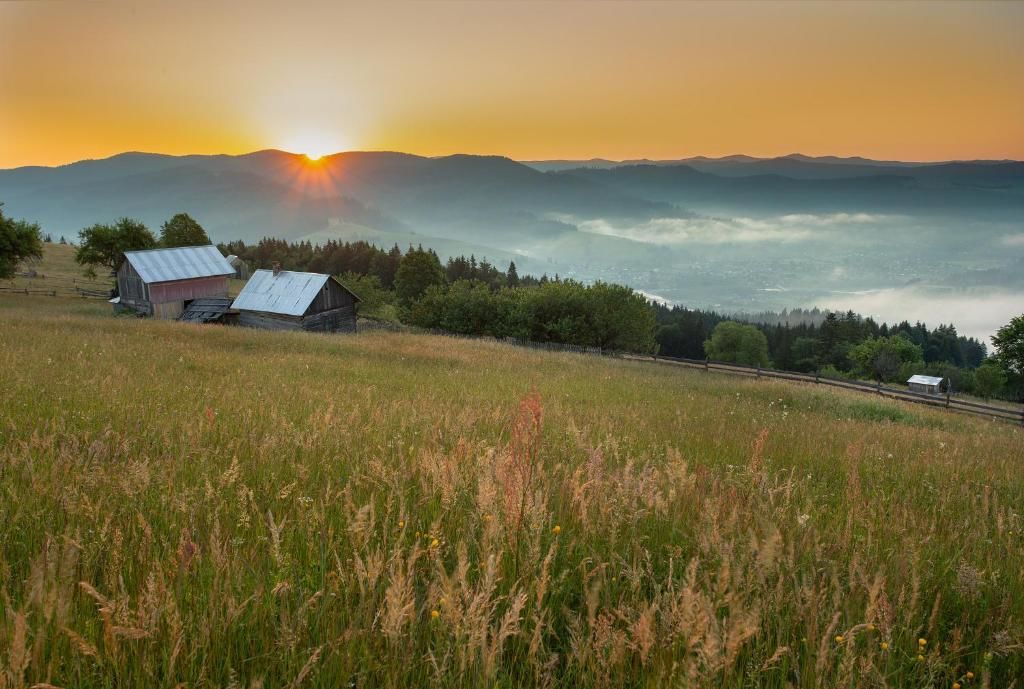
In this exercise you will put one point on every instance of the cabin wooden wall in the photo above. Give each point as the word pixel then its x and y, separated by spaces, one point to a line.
pixel 132 289
pixel 342 320
pixel 184 290
pixel 269 321
pixel 332 296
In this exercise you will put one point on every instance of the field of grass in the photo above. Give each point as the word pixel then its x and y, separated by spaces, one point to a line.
pixel 217 507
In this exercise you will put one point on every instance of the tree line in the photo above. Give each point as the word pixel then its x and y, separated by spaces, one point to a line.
pixel 845 345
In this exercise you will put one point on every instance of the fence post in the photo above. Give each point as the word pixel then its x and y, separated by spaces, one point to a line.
pixel 879 387
pixel 707 363
pixel 815 377
pixel 947 398
pixel 759 370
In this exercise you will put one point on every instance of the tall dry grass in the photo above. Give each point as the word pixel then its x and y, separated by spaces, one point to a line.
pixel 212 507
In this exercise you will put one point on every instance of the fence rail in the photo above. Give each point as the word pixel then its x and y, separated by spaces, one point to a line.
pixel 58 290
pixel 946 401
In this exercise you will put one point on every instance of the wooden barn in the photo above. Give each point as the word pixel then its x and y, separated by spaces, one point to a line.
pixel 162 282
pixel 288 300
pixel 930 385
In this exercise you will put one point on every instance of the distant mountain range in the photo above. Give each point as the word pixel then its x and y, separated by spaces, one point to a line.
pixel 733 233
pixel 488 204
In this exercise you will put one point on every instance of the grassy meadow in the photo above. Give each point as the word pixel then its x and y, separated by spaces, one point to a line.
pixel 187 506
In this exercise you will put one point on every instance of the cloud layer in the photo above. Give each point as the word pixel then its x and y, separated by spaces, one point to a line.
pixel 975 313
pixel 742 230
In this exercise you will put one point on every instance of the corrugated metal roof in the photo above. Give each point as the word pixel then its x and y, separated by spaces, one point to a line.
pixel 288 293
pixel 924 380
pixel 180 263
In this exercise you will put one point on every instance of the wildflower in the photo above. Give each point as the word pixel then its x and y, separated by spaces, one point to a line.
pixel 922 642
pixel 434 614
pixel 871 627
pixel 557 530
pixel 434 543
pixel 969 675
pixel 839 638
pixel 920 657
pixel 884 646
pixel 401 523
pixel 956 685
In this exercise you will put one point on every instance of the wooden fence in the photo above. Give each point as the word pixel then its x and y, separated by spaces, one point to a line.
pixel 60 287
pixel 946 401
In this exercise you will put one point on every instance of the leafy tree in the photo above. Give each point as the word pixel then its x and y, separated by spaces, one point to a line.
pixel 418 270
pixel 1009 344
pixel 183 230
pixel 104 245
pixel 621 319
pixel 990 379
pixel 883 358
pixel 373 299
pixel 19 240
pixel 737 343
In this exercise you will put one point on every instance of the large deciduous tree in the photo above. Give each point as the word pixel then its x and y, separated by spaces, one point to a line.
pixel 19 240
pixel 990 379
pixel 883 358
pixel 1009 344
pixel 737 343
pixel 418 270
pixel 183 230
pixel 104 245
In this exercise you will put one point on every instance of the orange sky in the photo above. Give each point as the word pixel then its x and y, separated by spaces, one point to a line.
pixel 913 81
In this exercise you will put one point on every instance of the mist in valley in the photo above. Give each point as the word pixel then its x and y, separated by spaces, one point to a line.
pixel 941 243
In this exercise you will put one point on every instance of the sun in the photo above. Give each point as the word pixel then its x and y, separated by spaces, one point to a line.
pixel 314 145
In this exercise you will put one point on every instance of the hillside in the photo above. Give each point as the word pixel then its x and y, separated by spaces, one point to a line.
pixel 226 507
pixel 732 234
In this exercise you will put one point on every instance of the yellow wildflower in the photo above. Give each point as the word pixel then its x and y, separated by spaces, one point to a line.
pixel 956 685
pixel 557 530
pixel 920 657
pixel 434 543
pixel 884 646
pixel 839 638
pixel 922 642
pixel 969 675
pixel 434 614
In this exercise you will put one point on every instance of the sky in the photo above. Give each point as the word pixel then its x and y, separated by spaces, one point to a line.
pixel 530 80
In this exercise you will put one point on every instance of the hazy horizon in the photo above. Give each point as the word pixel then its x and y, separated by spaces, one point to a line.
pixel 671 158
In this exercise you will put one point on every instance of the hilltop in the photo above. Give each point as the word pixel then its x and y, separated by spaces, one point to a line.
pixel 220 505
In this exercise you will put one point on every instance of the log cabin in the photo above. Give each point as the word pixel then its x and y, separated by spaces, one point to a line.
pixel 290 300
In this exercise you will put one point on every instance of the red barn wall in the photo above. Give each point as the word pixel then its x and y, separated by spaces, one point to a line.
pixel 184 290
